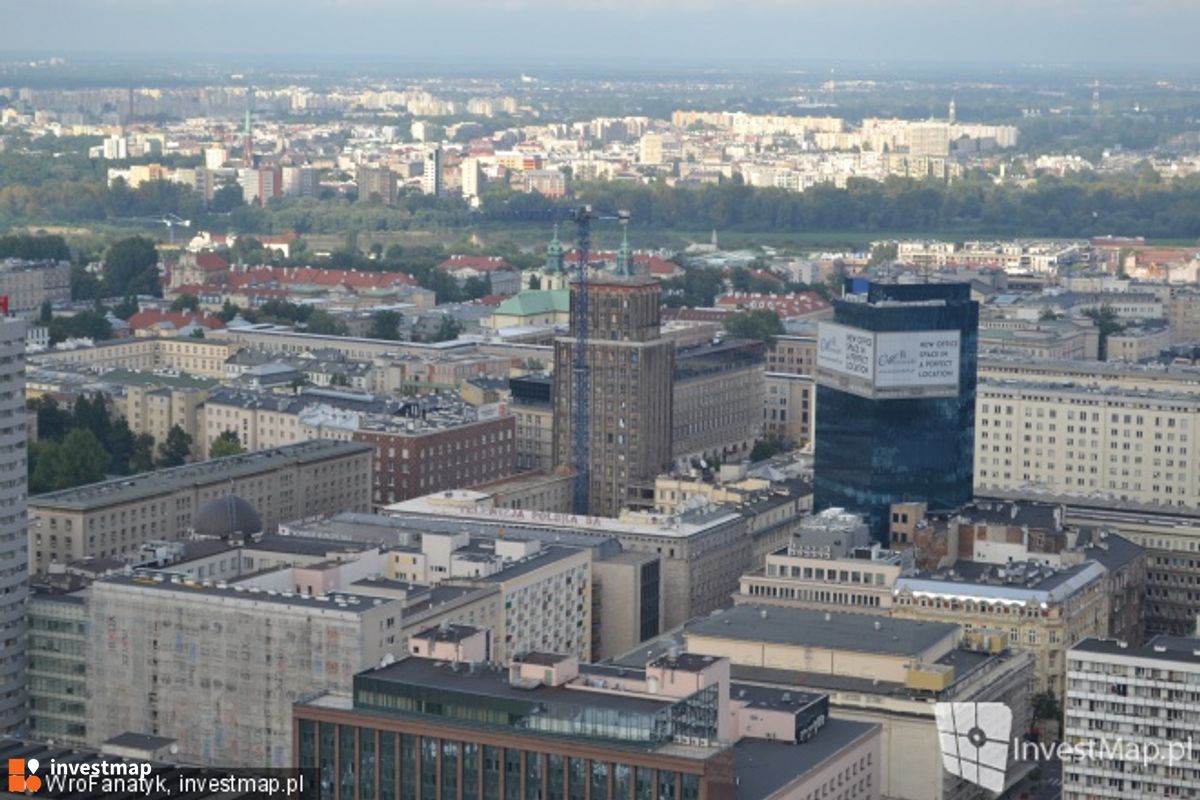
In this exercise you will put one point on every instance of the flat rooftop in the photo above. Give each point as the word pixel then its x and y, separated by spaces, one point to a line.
pixel 166 582
pixel 205 473
pixel 462 504
pixel 764 767
pixel 801 627
pixel 1177 649
pixel 493 683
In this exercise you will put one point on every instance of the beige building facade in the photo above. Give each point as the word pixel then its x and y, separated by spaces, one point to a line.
pixel 112 519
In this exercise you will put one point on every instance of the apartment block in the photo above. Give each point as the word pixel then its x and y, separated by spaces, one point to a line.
pixel 155 410
pixel 201 357
pixel 28 284
pixel 113 519
pixel 1133 711
pixel 217 667
pixel 1128 445
pixel 14 561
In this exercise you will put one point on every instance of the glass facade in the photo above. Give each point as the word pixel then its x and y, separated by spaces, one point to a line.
pixel 872 452
pixel 448 769
pixel 694 717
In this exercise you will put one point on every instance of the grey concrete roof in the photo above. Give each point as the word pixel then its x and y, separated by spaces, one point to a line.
pixel 764 767
pixel 801 627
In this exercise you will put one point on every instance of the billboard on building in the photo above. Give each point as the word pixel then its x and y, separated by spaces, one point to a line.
pixel 892 364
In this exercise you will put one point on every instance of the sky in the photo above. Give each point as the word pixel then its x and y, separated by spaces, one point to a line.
pixel 694 32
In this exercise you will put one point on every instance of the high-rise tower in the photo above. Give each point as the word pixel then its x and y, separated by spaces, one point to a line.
pixel 896 399
pixel 14 535
pixel 629 402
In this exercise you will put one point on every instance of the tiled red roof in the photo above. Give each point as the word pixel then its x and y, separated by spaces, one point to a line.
pixel 797 304
pixel 211 262
pixel 477 263
pixel 354 279
pixel 697 314
pixel 178 319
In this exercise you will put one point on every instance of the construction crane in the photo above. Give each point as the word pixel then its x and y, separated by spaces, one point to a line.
pixel 583 217
pixel 171 221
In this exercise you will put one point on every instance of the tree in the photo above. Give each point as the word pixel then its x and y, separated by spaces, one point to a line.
pixel 86 324
pixel 227 198
pixel 45 313
pixel 448 329
pixel 131 268
pixel 226 444
pixel 765 448
pixel 84 285
pixel 385 325
pixel 1048 315
pixel 762 324
pixel 141 459
pixel 126 308
pixel 322 322
pixel 186 302
pixel 339 379
pixel 1046 706
pixel 78 460
pixel 52 421
pixel 1107 323
pixel 884 253
pixel 174 451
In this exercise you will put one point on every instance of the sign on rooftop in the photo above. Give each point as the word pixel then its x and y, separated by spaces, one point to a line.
pixel 888 364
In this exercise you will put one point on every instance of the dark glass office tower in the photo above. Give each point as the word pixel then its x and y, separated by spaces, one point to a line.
pixel 896 399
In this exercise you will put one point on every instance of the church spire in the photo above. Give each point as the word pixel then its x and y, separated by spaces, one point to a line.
pixel 625 265
pixel 555 254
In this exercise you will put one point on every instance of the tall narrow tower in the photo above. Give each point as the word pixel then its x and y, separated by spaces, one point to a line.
pixel 629 402
pixel 953 116
pixel 1096 97
pixel 16 538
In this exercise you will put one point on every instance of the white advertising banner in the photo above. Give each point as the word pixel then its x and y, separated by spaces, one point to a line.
pixel 920 363
pixel 920 358
pixel 846 350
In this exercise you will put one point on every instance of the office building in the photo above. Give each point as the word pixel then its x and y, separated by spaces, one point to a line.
pixel 14 574
pixel 1122 701
pixel 217 667
pixel 156 409
pixel 432 177
pixel 113 519
pixel 1129 445
pixel 58 648
pixel 832 564
pixel 896 399
pixel 790 389
pixel 376 184
pixel 28 284
pixel 445 726
pixel 704 550
pixel 874 669
pixel 534 412
pixel 717 393
pixel 631 371
pixel 301 182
